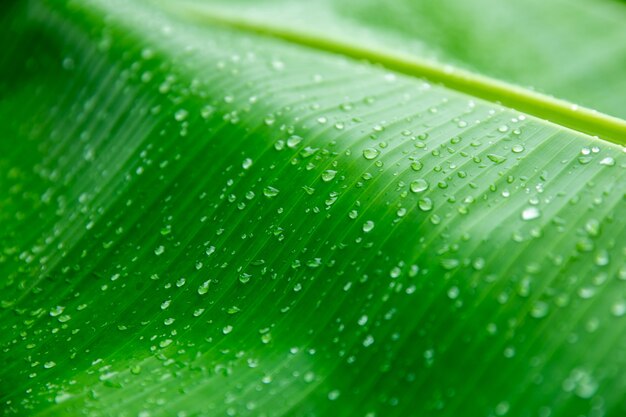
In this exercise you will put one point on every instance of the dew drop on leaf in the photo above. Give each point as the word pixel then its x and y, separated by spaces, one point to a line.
pixel 498 159
pixel 294 141
pixel 333 395
pixel 425 204
pixel 328 175
pixel 370 153
pixel 530 213
pixel 419 185
pixel 204 287
pixel 416 165
pixel 608 161
pixel 539 309
pixel 270 192
pixel 618 309
pixel 368 226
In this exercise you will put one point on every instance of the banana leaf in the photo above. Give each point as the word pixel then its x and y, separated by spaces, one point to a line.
pixel 331 208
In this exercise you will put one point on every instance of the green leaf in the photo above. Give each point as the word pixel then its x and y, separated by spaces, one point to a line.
pixel 199 219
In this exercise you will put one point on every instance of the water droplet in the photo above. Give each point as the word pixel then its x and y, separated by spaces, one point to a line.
pixel 419 185
pixel 247 163
pixel 294 141
pixel 618 309
pixel 328 175
pixel 244 278
pixel 159 250
pixel 181 115
pixel 453 293
pixel 449 263
pixel 502 408
pixel 498 159
pixel 204 287
pixel 206 111
pixel 608 161
pixel 227 329
pixel 56 311
pixel 61 397
pixel 334 394
pixel 395 272
pixel 601 258
pixel 49 364
pixel 368 226
pixel 368 341
pixel 592 227
pixel 370 153
pixel 425 204
pixel 416 166
pixel 270 191
pixel 539 309
pixel 517 149
pixel 503 129
pixel 530 213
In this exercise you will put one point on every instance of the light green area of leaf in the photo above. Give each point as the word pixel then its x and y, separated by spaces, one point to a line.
pixel 572 50
pixel 201 221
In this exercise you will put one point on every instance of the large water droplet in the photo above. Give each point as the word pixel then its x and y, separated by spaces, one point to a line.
pixel 419 185
pixel 530 213
pixel 368 226
pixel 370 153
pixel 270 191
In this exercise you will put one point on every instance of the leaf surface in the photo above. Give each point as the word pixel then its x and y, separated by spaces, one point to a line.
pixel 200 220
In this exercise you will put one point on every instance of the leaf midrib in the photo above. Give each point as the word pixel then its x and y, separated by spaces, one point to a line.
pixel 553 110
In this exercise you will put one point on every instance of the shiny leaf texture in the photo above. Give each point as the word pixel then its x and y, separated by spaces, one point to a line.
pixel 199 219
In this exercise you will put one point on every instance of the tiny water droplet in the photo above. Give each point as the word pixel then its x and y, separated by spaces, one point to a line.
pixel 333 395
